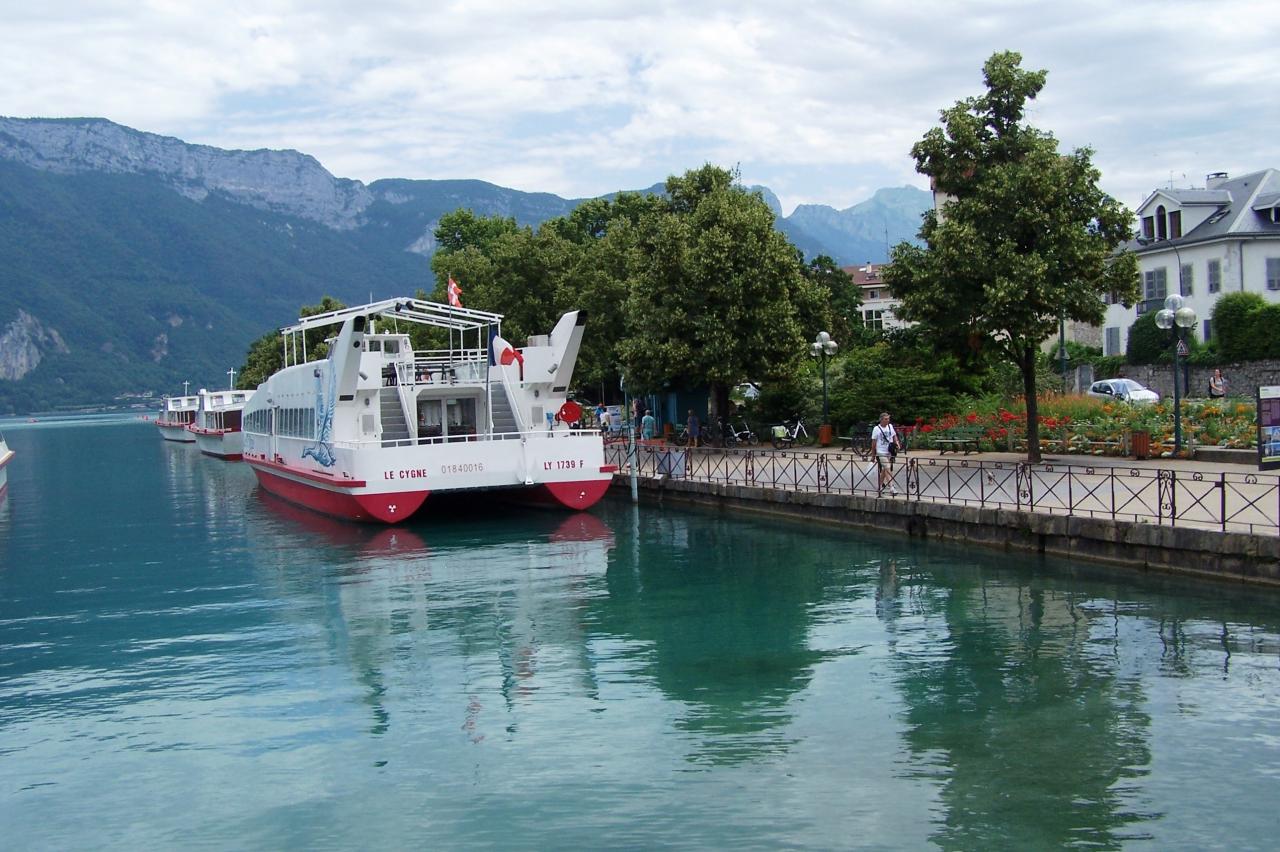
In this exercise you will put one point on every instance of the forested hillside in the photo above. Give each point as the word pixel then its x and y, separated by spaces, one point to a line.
pixel 146 288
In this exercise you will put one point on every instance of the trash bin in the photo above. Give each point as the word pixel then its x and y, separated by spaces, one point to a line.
pixel 824 435
pixel 1140 443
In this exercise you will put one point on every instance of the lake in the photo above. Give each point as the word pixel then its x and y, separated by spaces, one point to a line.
pixel 187 661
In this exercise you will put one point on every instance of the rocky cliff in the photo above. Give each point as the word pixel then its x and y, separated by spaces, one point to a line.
pixel 295 184
pixel 24 344
pixel 281 181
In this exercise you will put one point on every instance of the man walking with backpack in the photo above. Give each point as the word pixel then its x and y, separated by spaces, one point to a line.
pixel 885 439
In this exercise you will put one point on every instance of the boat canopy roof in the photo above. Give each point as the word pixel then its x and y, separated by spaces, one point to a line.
pixel 411 310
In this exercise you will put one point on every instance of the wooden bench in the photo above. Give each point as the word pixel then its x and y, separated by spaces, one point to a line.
pixel 958 437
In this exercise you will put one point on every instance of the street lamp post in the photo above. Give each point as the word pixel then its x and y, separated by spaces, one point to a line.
pixel 1176 313
pixel 1062 348
pixel 822 348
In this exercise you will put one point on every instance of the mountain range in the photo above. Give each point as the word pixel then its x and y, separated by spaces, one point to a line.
pixel 132 262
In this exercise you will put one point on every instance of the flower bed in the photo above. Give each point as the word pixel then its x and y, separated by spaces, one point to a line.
pixel 1089 426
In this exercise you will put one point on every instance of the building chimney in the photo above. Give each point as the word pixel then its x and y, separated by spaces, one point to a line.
pixel 1215 180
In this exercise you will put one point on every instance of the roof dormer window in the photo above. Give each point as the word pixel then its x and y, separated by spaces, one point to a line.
pixel 1175 224
pixel 1162 224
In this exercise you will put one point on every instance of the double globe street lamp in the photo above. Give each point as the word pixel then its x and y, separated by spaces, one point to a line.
pixel 1176 313
pixel 822 348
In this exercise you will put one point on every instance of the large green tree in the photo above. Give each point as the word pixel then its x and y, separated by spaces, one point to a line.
pixel 837 289
pixel 1022 238
pixel 717 295
pixel 603 236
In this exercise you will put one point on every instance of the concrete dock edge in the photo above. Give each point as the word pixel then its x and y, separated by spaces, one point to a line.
pixel 1210 554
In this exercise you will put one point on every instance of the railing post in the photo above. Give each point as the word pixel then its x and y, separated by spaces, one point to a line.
pixel 1222 501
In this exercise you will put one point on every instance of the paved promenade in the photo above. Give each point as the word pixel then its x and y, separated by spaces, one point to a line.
pixel 1202 495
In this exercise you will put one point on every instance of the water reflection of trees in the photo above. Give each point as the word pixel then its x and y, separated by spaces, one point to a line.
pixel 718 615
pixel 1030 711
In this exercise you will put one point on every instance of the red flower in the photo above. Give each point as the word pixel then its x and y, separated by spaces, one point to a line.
pixel 972 417
pixel 926 428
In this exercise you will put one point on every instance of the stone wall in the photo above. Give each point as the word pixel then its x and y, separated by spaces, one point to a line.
pixel 1181 550
pixel 1242 378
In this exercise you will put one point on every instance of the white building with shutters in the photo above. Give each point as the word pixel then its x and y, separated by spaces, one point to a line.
pixel 1202 243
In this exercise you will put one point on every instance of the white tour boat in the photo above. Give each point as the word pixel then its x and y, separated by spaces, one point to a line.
pixel 6 456
pixel 217 423
pixel 372 429
pixel 179 412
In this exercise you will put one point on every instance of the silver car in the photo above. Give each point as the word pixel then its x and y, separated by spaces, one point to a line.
pixel 1126 390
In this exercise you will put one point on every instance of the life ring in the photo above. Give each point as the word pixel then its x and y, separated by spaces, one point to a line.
pixel 570 412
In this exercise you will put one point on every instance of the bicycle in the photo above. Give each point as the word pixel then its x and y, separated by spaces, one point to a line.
pixel 785 435
pixel 680 437
pixel 860 443
pixel 743 435
pixel 710 435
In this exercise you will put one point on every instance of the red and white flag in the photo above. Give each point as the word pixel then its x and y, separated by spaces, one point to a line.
pixel 506 354
pixel 455 293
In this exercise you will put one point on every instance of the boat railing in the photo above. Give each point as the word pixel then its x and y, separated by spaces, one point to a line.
pixel 444 368
pixel 467 438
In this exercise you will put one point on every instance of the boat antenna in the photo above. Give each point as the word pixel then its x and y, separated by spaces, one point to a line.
pixel 184 388
pixel 232 374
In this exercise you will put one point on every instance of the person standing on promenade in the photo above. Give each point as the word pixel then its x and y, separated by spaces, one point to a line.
pixel 885 438
pixel 1217 385
pixel 695 428
pixel 647 425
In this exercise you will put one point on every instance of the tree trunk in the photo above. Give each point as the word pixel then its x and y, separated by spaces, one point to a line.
pixel 718 402
pixel 1028 366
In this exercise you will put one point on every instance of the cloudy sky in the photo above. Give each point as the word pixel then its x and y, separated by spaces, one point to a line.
pixel 820 101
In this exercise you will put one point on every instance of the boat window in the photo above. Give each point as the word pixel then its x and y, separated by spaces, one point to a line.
pixel 430 419
pixel 391 346
pixel 462 418
pixel 375 345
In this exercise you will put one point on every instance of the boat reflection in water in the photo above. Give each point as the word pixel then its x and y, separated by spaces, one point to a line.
pixel 471 602
pixel 358 540
pixel 6 456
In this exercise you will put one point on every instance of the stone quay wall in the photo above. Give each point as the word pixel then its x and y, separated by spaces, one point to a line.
pixel 1179 550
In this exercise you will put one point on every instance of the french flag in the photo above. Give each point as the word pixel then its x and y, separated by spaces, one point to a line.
pixel 455 293
pixel 505 354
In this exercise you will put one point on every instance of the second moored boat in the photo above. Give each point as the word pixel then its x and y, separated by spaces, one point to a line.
pixel 217 424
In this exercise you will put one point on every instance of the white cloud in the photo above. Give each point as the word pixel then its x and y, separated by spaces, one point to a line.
pixel 584 98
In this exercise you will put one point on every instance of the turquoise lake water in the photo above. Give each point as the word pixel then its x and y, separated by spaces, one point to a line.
pixel 188 662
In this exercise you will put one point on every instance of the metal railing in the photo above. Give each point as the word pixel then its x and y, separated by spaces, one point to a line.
pixel 1230 502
